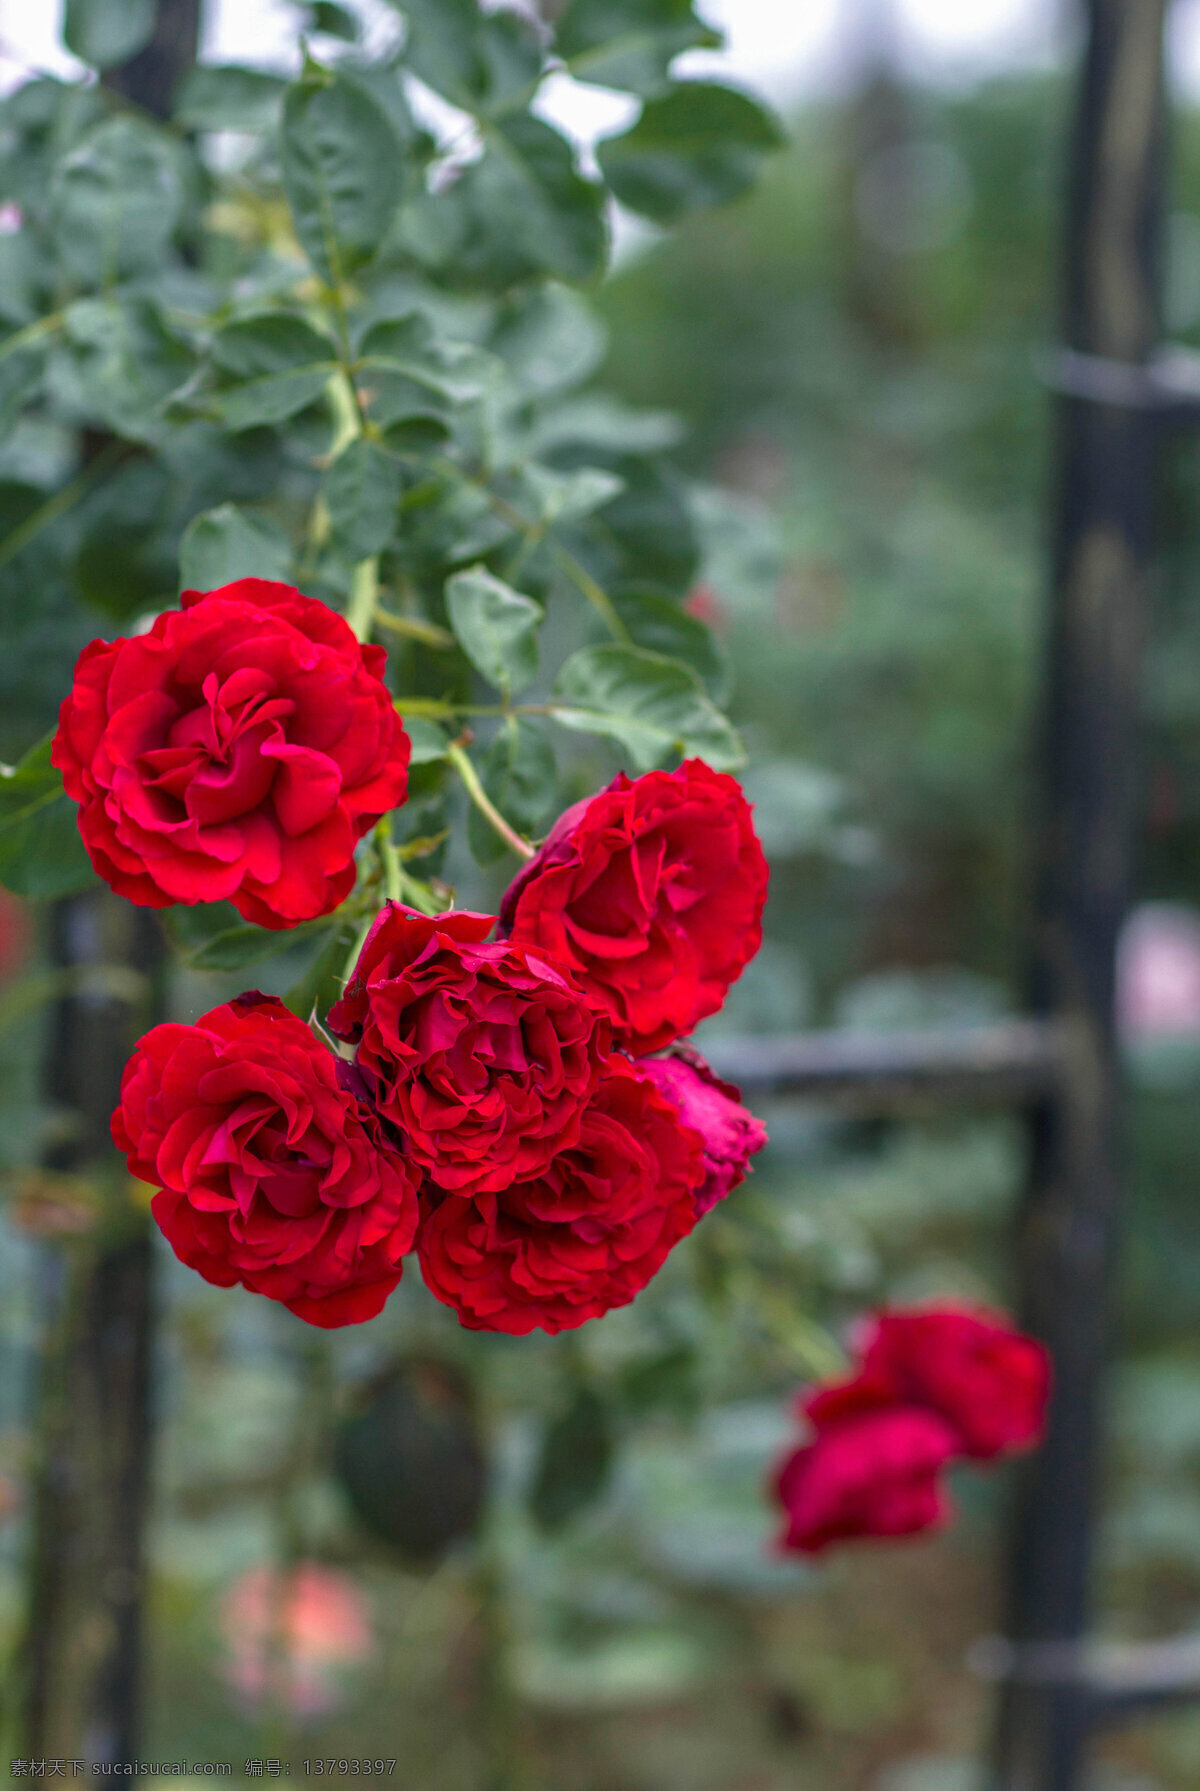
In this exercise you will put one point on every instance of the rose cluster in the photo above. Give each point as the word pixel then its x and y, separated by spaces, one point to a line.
pixel 493 1104
pixel 933 1386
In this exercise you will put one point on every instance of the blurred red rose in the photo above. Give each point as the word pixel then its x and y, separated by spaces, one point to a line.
pixel 584 1236
pixel 292 1638
pixel 713 1108
pixel 874 1474
pixel 481 1055
pixel 238 751
pixel 652 894
pixel 273 1172
pixel 989 1382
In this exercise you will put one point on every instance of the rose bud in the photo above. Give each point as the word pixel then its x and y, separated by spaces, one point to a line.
pixel 236 752
pixel 585 1235
pixel 651 894
pixel 874 1474
pixel 713 1108
pixel 989 1382
pixel 483 1056
pixel 272 1171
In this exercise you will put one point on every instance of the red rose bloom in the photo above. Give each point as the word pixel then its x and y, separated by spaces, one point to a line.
pixel 483 1056
pixel 238 751
pixel 652 894
pixel 874 1474
pixel 584 1236
pixel 273 1172
pixel 713 1108
pixel 989 1382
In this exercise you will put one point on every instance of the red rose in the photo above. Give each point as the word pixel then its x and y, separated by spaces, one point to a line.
pixel 273 1171
pixel 713 1108
pixel 989 1382
pixel 874 1474
pixel 481 1055
pixel 652 894
pixel 238 751
pixel 584 1236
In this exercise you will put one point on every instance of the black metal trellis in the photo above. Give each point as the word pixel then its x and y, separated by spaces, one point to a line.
pixel 1117 388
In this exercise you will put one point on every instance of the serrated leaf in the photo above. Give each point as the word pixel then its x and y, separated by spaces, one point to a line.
pixel 321 983
pixel 341 172
pixel 362 492
pixel 406 371
pixel 629 44
pixel 575 1462
pixel 565 497
pixel 282 363
pixel 228 98
pixel 41 852
pixel 116 200
pixel 497 627
pixel 697 144
pixel 105 32
pixel 652 706
pixel 226 544
pixel 521 778
pixel 550 339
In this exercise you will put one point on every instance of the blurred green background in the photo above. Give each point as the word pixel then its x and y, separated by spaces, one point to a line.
pixel 852 353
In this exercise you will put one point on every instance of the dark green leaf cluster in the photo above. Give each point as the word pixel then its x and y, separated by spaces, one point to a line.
pixel 290 332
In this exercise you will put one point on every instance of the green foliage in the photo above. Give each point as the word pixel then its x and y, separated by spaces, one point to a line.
pixel 104 32
pixel 575 1462
pixel 696 145
pixel 41 853
pixel 497 626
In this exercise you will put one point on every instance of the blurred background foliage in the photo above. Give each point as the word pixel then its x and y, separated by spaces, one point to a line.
pixel 549 1564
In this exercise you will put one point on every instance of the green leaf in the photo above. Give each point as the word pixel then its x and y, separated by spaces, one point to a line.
pixel 429 742
pixel 122 364
pixel 522 210
pixel 341 172
pixel 333 21
pixel 669 1381
pixel 320 985
pixel 698 144
pixel 629 44
pixel 283 363
pixel 575 1462
pixel 116 201
pixel 20 378
pixel 520 776
pixel 407 371
pixel 362 493
pixel 105 32
pixel 237 947
pixel 648 528
pixel 660 625
pixel 226 544
pixel 41 853
pixel 228 98
pixel 482 62
pixel 652 706
pixel 125 561
pixel 549 339
pixel 497 627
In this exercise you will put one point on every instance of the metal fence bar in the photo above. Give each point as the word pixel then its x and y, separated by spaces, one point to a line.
pixel 1068 1226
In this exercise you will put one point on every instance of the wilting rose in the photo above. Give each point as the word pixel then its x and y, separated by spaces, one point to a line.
pixel 987 1381
pixel 586 1235
pixel 874 1474
pixel 272 1171
pixel 713 1108
pixel 238 751
pixel 483 1056
pixel 293 1637
pixel 651 894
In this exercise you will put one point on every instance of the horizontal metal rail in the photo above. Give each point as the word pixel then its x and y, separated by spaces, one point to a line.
pixel 1011 1063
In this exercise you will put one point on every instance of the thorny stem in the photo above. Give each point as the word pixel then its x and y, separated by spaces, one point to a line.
pixel 485 805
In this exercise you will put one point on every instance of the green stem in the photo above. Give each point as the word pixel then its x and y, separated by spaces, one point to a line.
pixel 485 805
pixel 364 589
pixel 393 871
pixel 441 709
pixel 33 332
pixel 428 633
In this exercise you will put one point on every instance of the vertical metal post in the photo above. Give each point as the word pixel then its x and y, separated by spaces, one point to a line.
pixel 1067 1229
pixel 81 1661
